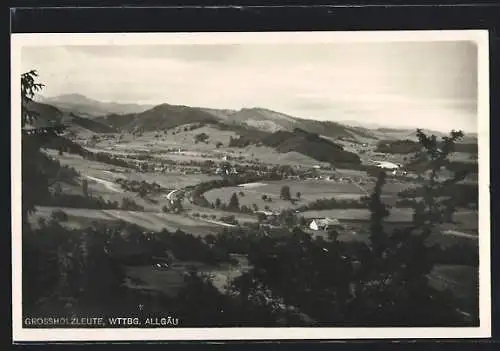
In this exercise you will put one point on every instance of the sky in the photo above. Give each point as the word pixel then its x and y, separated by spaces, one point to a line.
pixel 393 84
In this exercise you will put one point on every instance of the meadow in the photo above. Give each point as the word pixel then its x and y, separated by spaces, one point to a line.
pixel 310 190
pixel 155 221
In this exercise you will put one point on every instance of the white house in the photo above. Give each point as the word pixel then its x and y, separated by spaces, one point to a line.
pixel 387 165
pixel 324 224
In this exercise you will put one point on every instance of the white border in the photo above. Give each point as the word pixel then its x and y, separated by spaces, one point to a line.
pixel 480 37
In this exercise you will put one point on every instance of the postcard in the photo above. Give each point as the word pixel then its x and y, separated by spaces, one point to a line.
pixel 250 186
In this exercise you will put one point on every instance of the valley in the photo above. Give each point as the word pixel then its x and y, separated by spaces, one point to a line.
pixel 206 171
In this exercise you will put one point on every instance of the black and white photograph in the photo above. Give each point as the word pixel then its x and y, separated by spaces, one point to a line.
pixel 225 186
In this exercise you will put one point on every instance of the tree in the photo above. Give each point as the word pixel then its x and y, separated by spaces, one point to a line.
pixel 142 191
pixel 261 217
pixel 218 202
pixel 234 203
pixel 177 205
pixel 85 188
pixel 382 283
pixel 287 218
pixel 285 192
pixel 57 189
pixel 29 87
pixel 333 235
pixel 302 222
pixel 202 137
pixel 34 178
pixel 64 271
pixel 396 266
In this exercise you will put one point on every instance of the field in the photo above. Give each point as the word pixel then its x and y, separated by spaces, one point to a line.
pixel 158 144
pixel 155 221
pixel 310 190
pixel 171 180
pixel 102 179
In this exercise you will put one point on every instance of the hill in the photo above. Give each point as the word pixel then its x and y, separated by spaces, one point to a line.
pixel 90 124
pixel 160 117
pixel 48 114
pixel 167 116
pixel 85 106
pixel 273 121
pixel 310 144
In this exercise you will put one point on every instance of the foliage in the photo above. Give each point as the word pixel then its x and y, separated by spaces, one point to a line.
pixel 130 205
pixel 218 202
pixel 85 188
pixel 398 146
pixel 285 193
pixel 201 138
pixel 312 145
pixel 38 170
pixel 143 188
pixel 241 142
pixel 29 87
pixel 59 216
pixel 234 202
pixel 381 284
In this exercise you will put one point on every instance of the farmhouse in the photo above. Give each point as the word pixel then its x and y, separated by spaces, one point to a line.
pixel 324 224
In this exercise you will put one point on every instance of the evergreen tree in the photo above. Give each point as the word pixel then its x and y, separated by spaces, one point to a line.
pixel 285 193
pixel 218 202
pixel 234 202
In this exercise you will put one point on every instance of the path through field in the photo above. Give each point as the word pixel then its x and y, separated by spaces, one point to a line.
pixel 109 185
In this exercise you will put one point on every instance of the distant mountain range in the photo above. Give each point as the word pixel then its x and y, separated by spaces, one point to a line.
pixel 283 132
pixel 87 107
